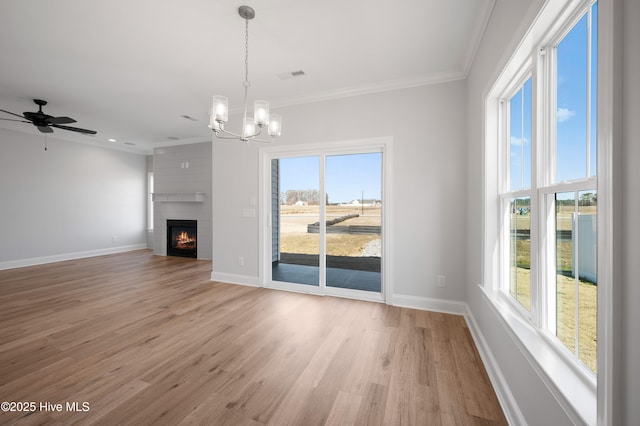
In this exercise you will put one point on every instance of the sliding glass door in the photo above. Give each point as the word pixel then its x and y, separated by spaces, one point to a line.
pixel 326 223
pixel 295 198
pixel 353 207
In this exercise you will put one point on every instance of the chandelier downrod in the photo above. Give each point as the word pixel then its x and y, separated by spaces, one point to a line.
pixel 251 127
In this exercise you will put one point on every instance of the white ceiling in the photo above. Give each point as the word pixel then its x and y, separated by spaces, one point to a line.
pixel 130 69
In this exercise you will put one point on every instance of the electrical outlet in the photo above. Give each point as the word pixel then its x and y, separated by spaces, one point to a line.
pixel 442 281
pixel 240 260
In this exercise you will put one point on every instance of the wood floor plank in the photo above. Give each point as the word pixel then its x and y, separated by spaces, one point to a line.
pixel 145 339
pixel 373 405
pixel 344 410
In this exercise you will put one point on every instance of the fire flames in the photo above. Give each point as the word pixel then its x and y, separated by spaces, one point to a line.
pixel 185 241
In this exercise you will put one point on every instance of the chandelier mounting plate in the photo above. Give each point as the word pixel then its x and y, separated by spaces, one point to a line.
pixel 246 12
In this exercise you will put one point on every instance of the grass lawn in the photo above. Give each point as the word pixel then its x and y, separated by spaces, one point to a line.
pixel 337 244
pixel 295 239
pixel 566 327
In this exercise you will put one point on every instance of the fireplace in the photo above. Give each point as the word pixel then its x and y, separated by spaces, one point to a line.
pixel 182 238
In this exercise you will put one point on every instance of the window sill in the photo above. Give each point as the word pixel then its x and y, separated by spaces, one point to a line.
pixel 575 392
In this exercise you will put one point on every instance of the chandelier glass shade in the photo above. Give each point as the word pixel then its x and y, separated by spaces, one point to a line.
pixel 251 126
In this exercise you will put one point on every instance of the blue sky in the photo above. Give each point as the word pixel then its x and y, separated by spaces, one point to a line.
pixel 347 175
pixel 572 102
pixel 571 113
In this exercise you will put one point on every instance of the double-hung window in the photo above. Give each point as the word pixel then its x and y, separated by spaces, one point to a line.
pixel 541 186
pixel 548 193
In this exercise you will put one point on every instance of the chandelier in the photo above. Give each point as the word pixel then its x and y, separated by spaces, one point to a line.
pixel 252 126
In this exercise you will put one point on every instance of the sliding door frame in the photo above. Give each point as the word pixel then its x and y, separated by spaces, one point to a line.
pixel 383 145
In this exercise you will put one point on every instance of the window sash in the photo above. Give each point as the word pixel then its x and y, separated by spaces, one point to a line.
pixel 504 151
pixel 547 248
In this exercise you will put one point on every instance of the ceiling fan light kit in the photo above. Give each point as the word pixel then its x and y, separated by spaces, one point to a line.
pixel 45 122
pixel 251 126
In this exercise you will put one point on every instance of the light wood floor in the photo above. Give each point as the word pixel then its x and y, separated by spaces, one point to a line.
pixel 151 340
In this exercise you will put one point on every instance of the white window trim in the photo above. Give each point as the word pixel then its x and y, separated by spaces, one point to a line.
pixel 578 395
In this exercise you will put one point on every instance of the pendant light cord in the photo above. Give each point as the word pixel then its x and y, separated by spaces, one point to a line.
pixel 246 52
pixel 246 73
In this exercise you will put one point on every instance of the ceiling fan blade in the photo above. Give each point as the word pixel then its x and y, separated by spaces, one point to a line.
pixel 12 119
pixel 34 116
pixel 75 129
pixel 45 129
pixel 8 112
pixel 60 120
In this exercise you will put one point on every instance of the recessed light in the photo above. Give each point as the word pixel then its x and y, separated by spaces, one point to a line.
pixel 112 140
pixel 173 138
pixel 129 143
pixel 188 117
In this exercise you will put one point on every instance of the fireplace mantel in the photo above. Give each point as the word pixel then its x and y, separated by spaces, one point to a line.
pixel 178 197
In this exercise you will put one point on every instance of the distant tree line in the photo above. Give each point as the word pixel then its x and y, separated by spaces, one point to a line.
pixel 586 199
pixel 292 196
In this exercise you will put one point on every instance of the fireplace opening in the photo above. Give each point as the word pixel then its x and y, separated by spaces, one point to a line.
pixel 182 236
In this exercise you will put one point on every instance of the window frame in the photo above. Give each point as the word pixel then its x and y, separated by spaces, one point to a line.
pixel 585 397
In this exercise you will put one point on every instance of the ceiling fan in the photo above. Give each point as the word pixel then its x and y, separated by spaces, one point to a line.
pixel 45 122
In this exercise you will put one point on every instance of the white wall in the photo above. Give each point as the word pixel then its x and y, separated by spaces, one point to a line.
pixel 507 25
pixel 68 201
pixel 429 181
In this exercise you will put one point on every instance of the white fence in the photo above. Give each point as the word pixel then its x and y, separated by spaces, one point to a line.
pixel 587 240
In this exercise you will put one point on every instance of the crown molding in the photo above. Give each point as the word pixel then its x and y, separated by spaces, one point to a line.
pixel 477 36
pixel 384 86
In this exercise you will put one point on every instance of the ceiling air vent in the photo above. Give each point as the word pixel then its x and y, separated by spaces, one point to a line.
pixel 291 74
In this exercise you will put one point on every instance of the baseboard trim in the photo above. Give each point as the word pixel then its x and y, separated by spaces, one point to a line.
pixel 503 392
pixel 429 304
pixel 21 263
pixel 235 279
